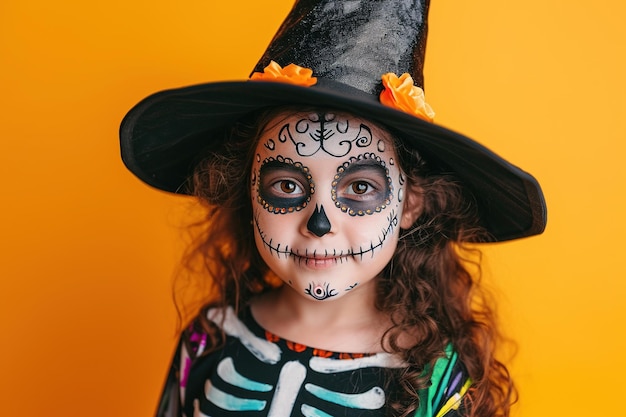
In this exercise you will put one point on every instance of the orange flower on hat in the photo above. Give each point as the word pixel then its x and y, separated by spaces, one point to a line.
pixel 401 93
pixel 291 74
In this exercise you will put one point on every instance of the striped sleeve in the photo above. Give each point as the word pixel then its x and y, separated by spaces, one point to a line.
pixel 450 382
pixel 191 344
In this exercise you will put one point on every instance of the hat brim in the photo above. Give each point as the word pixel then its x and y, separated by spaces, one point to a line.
pixel 163 135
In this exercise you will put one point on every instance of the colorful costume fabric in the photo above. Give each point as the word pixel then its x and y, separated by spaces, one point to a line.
pixel 259 374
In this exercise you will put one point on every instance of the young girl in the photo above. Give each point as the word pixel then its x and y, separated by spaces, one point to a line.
pixel 336 220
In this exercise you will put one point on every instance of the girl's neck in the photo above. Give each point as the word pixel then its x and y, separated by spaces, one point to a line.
pixel 350 323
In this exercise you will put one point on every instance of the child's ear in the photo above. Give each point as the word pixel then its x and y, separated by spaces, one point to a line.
pixel 413 205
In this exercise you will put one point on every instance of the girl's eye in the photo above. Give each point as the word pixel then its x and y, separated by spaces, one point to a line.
pixel 287 187
pixel 284 187
pixel 362 187
pixel 359 188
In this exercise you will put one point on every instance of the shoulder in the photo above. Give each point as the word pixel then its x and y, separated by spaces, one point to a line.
pixel 204 331
pixel 216 325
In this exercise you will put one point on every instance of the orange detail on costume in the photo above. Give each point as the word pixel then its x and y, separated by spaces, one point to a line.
pixel 402 94
pixel 297 347
pixel 322 353
pixel 271 337
pixel 291 74
pixel 351 355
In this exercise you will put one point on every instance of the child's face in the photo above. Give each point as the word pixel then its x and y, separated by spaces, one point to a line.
pixel 327 198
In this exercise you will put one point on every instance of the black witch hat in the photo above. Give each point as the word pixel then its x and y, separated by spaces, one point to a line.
pixel 348 45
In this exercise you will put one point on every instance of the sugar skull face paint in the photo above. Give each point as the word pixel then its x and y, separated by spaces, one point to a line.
pixel 327 202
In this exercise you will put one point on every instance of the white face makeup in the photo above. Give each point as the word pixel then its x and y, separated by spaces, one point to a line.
pixel 327 199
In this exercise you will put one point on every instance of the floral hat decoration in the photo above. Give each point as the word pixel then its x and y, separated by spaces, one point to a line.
pixel 363 57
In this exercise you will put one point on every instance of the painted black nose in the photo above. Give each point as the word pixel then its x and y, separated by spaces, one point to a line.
pixel 318 224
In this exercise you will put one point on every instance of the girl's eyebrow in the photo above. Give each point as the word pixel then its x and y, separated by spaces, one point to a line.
pixel 279 165
pixel 364 165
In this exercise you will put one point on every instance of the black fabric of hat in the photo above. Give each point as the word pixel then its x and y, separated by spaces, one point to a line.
pixel 348 45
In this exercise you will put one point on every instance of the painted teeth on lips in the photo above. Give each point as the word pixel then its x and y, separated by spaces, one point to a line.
pixel 323 260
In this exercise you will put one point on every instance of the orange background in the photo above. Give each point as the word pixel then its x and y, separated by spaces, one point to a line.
pixel 87 251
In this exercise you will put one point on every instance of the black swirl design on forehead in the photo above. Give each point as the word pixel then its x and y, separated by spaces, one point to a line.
pixel 324 132
pixel 377 199
pixel 293 172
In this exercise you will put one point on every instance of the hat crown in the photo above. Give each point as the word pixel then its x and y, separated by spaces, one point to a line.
pixel 353 42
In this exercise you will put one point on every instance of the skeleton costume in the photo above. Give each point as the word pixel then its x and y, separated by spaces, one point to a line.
pixel 260 374
pixel 345 56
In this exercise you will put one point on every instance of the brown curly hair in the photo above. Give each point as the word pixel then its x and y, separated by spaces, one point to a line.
pixel 430 289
